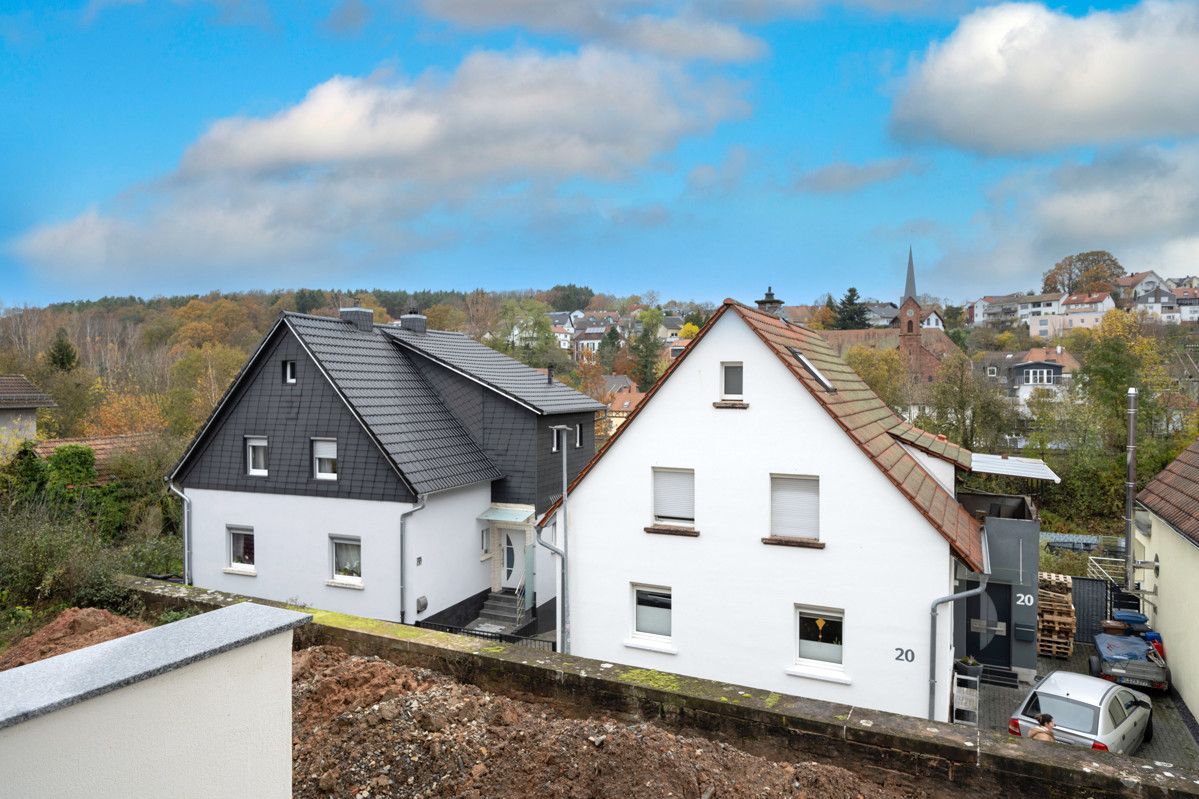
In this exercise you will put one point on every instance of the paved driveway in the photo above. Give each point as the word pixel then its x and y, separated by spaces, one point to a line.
pixel 1172 742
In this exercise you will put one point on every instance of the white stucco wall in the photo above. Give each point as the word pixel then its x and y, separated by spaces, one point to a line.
pixel 292 553
pixel 734 597
pixel 218 727
pixel 1176 600
pixel 17 426
pixel 444 537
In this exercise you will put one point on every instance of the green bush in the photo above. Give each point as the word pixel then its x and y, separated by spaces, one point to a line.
pixel 49 559
pixel 168 616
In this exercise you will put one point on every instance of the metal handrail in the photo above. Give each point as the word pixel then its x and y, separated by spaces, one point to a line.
pixel 520 602
pixel 1104 568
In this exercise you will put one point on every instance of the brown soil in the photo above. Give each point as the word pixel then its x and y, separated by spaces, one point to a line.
pixel 72 629
pixel 365 727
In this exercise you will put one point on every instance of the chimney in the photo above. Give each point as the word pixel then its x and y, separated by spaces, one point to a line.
pixel 549 375
pixel 361 318
pixel 414 321
pixel 769 304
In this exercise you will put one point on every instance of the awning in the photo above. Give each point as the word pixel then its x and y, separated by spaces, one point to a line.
pixel 513 515
pixel 1012 466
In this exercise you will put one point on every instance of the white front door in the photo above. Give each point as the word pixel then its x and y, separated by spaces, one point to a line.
pixel 512 556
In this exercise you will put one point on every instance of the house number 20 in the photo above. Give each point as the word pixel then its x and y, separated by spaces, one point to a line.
pixel 1024 599
pixel 906 655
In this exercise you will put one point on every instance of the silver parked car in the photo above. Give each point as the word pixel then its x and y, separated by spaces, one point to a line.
pixel 1087 711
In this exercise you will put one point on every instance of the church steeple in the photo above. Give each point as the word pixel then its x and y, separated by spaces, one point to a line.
pixel 909 289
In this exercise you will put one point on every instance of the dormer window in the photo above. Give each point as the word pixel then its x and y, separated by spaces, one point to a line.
pixel 256 456
pixel 732 381
pixel 289 372
pixel 324 458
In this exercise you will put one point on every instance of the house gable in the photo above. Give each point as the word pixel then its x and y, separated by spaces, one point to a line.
pixel 261 403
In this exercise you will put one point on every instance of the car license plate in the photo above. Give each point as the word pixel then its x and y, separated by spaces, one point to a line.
pixel 1134 681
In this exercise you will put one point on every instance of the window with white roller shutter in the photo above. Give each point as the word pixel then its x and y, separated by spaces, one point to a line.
pixel 794 506
pixel 674 496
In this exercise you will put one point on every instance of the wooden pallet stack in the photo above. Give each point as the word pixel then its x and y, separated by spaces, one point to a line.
pixel 1055 615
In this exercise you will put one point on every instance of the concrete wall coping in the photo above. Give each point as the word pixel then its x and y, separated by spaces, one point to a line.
pixel 27 692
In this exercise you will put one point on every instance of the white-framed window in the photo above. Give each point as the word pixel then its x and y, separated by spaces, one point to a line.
pixel 324 458
pixel 346 559
pixel 651 612
pixel 992 371
pixel 1038 377
pixel 674 496
pixel 485 542
pixel 256 465
pixel 240 542
pixel 289 372
pixel 732 381
pixel 819 636
pixel 794 506
pixel 555 440
pixel 578 435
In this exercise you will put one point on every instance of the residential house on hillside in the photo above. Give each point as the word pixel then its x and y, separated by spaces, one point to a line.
pixel 621 407
pixel 720 533
pixel 1081 310
pixel 563 319
pixel 1129 287
pixel 670 327
pixel 1159 304
pixel 799 314
pixel 19 403
pixel 996 311
pixel 1187 298
pixel 107 450
pixel 1022 373
pixel 587 340
pixel 615 384
pixel 931 318
pixel 563 337
pixel 387 471
pixel 1034 310
pixel 1167 536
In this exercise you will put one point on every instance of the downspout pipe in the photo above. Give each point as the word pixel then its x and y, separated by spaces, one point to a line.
pixel 932 634
pixel 1130 492
pixel 187 530
pixel 420 503
pixel 562 575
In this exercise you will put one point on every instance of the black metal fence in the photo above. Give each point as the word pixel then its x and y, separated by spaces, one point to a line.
pixel 504 638
pixel 1092 604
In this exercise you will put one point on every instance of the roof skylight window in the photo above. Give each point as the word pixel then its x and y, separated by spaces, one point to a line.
pixel 813 371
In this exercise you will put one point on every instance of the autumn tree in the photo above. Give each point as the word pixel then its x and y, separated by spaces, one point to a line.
pixel 121 413
pixel 199 379
pixel 967 407
pixel 62 354
pixel 308 300
pixel 1083 272
pixel 851 313
pixel 444 316
pixel 646 349
pixel 482 313
pixel 884 371
pixel 609 346
pixel 688 331
pixel 568 297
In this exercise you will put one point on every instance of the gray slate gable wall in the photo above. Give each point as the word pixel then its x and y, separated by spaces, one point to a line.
pixel 513 437
pixel 290 415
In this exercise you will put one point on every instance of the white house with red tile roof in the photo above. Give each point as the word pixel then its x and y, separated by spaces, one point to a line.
pixel 1132 286
pixel 762 518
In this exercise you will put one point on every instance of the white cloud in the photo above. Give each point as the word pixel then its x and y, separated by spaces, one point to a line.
pixel 842 177
pixel 1020 78
pixel 721 178
pixel 1140 203
pixel 359 163
pixel 666 28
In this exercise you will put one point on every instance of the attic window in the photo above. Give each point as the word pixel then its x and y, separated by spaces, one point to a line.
pixel 813 371
pixel 289 372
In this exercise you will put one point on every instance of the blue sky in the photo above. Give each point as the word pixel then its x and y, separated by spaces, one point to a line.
pixel 701 148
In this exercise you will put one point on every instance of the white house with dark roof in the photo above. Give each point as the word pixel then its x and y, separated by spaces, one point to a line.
pixel 763 519
pixel 387 471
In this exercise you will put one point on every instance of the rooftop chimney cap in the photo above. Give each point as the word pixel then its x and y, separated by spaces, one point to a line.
pixel 770 304
pixel 361 318
pixel 414 321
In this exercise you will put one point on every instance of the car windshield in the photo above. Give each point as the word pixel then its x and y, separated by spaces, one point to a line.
pixel 1067 713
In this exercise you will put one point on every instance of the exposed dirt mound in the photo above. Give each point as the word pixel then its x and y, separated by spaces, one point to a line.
pixel 72 629
pixel 365 727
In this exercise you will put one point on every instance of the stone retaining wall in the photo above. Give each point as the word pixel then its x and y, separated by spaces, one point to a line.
pixel 948 759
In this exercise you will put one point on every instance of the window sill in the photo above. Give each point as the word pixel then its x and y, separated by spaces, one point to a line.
pixel 651 646
pixel 670 529
pixel 326 478
pixel 793 541
pixel 357 586
pixel 242 571
pixel 817 673
pixel 256 474
pixel 731 405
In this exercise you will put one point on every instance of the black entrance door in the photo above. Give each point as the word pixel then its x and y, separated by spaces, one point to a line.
pixel 989 625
